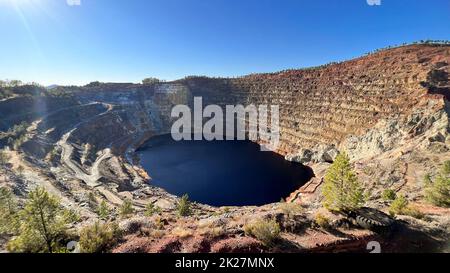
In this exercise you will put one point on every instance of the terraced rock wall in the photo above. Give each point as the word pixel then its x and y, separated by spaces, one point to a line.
pixel 329 104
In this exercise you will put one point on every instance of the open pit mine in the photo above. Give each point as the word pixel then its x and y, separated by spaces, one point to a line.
pixel 388 111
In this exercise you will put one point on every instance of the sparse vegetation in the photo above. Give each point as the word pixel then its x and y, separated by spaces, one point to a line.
pixel 446 168
pixel 126 209
pixel 99 237
pixel 43 224
pixel 322 221
pixel 398 206
pixel 181 232
pixel 184 206
pixel 16 135
pixel 266 231
pixel 438 191
pixel 389 195
pixel 151 209
pixel 8 211
pixel 401 206
pixel 150 81
pixel 290 209
pixel 342 190
pixel 103 211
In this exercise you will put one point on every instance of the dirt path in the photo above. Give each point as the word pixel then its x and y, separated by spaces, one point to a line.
pixel 90 179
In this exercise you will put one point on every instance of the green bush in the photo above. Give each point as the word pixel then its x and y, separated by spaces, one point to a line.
pixel 389 195
pixel 322 221
pixel 438 191
pixel 8 212
pixel 99 237
pixel 151 209
pixel 184 206
pixel 446 168
pixel 342 190
pixel 126 209
pixel 266 231
pixel 103 211
pixel 398 206
pixel 401 206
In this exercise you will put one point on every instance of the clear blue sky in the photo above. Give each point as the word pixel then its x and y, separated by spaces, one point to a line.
pixel 50 42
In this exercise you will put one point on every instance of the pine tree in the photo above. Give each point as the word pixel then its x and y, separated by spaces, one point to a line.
pixel 342 190
pixel 103 211
pixel 8 212
pixel 438 191
pixel 126 209
pixel 43 222
pixel 184 206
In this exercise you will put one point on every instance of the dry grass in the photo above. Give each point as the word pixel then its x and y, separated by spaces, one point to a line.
pixel 182 233
pixel 290 209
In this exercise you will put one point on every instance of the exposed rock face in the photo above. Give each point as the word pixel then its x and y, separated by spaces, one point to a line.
pixel 389 111
pixel 366 107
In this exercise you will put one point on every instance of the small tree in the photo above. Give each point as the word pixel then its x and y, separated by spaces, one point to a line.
pixel 342 190
pixel 8 212
pixel 184 206
pixel 151 209
pixel 103 211
pixel 43 223
pixel 126 209
pixel 438 191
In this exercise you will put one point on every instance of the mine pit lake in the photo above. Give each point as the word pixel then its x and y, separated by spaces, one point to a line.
pixel 221 173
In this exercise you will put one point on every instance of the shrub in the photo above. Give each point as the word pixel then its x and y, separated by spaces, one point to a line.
pixel 401 206
pixel 438 193
pixel 126 209
pixel 268 232
pixel 98 238
pixel 342 190
pixel 181 232
pixel 290 209
pixel 322 221
pixel 446 168
pixel 184 206
pixel 389 195
pixel 427 180
pixel 151 209
pixel 398 206
pixel 103 211
pixel 92 200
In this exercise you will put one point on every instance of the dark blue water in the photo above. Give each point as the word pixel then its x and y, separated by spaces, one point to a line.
pixel 221 173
